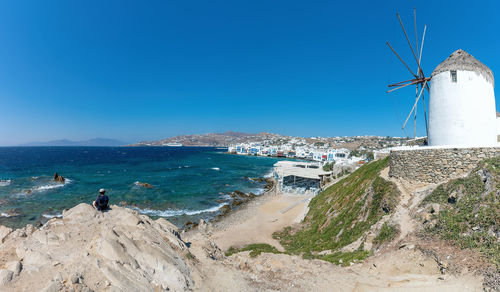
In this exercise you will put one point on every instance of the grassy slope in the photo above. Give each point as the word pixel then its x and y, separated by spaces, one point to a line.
pixel 472 219
pixel 341 214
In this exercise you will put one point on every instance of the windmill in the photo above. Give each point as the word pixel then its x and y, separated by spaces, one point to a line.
pixel 418 79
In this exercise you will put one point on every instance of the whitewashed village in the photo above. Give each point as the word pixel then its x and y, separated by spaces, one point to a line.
pixel 309 167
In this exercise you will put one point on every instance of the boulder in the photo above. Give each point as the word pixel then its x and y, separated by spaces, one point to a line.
pixel 452 198
pixel 203 226
pixel 80 213
pixel 434 208
pixel 53 286
pixel 145 185
pixel 59 178
pixel 14 266
pixel 4 231
pixel 213 251
pixel 224 210
pixel 5 277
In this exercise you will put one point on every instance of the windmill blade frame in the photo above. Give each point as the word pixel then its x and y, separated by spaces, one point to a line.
pixel 419 80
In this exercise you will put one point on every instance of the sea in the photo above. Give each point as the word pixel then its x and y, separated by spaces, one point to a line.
pixel 188 183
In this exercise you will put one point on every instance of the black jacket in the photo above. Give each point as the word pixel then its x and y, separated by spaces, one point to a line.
pixel 102 202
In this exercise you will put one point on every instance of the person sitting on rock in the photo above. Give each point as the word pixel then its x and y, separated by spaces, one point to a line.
pixel 101 203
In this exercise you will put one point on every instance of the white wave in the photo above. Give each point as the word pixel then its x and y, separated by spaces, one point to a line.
pixel 9 214
pixel 215 168
pixel 4 182
pixel 259 191
pixel 51 186
pixel 172 213
pixel 269 174
pixel 52 216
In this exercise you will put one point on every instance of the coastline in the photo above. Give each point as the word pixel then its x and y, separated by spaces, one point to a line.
pixel 255 221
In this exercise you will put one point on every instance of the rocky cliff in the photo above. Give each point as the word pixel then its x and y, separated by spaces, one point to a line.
pixel 88 250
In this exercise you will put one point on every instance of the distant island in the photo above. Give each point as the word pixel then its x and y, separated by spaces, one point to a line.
pixel 91 142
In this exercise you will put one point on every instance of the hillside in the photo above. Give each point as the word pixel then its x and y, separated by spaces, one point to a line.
pixel 214 139
pixel 391 231
pixel 231 138
pixel 466 211
pixel 341 214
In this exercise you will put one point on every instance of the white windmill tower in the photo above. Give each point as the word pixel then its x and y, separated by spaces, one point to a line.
pixel 462 108
pixel 462 105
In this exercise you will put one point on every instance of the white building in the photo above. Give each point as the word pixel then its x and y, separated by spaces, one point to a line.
pixel 462 108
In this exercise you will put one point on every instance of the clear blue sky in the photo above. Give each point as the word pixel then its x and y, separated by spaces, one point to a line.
pixel 142 70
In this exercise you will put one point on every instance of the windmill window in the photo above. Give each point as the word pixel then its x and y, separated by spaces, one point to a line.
pixel 453 76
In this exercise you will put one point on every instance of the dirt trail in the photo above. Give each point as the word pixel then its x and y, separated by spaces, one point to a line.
pixel 403 265
pixel 408 201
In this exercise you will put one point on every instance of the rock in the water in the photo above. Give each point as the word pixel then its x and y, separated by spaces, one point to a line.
pixel 224 210
pixel 144 185
pixel 59 178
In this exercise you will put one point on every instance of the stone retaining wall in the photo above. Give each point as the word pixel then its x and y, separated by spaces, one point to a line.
pixel 435 165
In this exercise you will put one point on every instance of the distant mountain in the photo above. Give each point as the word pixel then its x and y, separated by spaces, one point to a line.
pixel 91 142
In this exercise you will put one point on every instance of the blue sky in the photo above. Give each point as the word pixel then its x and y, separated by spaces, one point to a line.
pixel 143 70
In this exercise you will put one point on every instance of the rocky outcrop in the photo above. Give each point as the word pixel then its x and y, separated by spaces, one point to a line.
pixel 117 250
pixel 144 185
pixel 59 178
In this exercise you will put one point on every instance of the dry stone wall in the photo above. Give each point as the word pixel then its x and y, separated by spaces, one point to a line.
pixel 435 165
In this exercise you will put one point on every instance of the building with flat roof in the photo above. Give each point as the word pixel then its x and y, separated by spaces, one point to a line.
pixel 299 177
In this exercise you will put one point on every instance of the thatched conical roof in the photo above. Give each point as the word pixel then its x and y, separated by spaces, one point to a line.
pixel 461 60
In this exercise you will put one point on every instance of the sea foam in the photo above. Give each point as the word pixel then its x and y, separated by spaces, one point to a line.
pixel 172 213
pixel 4 182
pixel 50 186
pixel 52 216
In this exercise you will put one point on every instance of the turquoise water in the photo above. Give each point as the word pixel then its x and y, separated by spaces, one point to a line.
pixel 189 183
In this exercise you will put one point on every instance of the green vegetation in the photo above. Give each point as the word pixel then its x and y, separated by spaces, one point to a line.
pixel 338 216
pixel 387 233
pixel 358 153
pixel 329 166
pixel 342 173
pixel 470 210
pixel 255 249
pixel 341 214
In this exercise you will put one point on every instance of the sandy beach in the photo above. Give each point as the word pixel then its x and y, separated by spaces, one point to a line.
pixel 257 220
